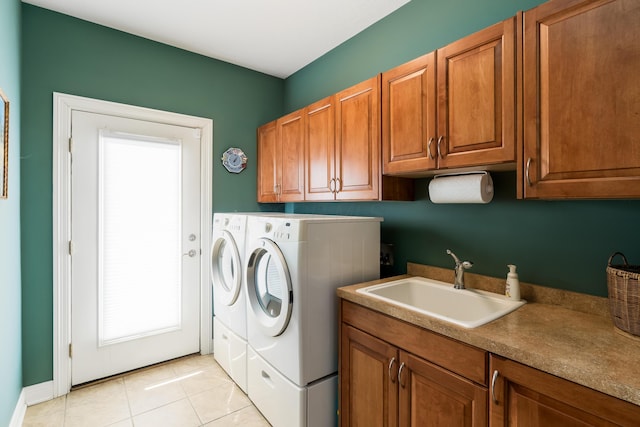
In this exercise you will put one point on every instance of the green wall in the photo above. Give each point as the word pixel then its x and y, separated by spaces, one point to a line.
pixel 67 55
pixel 11 354
pixel 562 244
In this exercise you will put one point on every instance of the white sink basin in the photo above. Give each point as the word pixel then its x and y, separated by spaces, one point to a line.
pixel 468 308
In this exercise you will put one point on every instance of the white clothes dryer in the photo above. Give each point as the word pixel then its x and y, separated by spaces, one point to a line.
pixel 229 300
pixel 293 266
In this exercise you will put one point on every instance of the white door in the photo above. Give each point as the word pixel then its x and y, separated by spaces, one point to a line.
pixel 135 251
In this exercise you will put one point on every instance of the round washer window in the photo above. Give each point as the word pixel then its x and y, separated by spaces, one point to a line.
pixel 225 269
pixel 269 287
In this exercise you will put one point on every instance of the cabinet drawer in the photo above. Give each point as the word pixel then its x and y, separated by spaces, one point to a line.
pixel 465 360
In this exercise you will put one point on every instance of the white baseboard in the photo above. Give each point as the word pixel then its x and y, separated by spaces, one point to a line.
pixel 38 393
pixel 18 413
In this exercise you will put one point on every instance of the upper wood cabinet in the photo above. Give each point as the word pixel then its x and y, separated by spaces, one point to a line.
pixel 477 98
pixel 453 108
pixel 409 116
pixel 281 159
pixel 343 145
pixel 521 395
pixel 581 100
pixel 357 161
pixel 320 152
pixel 267 163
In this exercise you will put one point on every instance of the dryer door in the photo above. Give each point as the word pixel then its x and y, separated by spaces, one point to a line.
pixel 226 270
pixel 269 287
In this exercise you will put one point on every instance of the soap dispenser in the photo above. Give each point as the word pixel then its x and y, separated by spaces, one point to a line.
pixel 512 290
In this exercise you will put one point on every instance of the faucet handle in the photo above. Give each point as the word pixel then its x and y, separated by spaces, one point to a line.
pixel 455 258
pixel 467 265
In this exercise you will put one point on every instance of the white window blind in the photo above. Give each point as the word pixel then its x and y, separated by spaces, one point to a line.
pixel 139 255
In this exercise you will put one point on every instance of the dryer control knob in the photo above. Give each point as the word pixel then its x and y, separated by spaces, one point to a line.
pixel 267 227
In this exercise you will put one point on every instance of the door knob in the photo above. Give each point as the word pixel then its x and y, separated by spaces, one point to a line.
pixel 191 253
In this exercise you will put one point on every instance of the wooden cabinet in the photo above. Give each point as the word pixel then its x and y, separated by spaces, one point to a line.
pixel 368 385
pixel 358 141
pixel 343 143
pixel 406 376
pixel 320 150
pixel 581 100
pixel 342 146
pixel 477 98
pixel 267 163
pixel 409 116
pixel 453 108
pixel 521 395
pixel 281 159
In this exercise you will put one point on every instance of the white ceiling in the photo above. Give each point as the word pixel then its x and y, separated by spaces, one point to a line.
pixel 276 37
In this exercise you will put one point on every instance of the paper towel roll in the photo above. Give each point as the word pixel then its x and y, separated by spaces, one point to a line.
pixel 465 188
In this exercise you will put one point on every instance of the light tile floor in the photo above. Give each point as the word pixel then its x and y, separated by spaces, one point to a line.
pixel 188 392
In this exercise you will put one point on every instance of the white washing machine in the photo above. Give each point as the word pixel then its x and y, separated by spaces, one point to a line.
pixel 229 300
pixel 293 266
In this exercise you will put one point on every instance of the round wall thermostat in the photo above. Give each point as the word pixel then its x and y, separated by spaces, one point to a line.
pixel 234 160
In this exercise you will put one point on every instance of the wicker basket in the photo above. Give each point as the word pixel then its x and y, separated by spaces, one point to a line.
pixel 623 282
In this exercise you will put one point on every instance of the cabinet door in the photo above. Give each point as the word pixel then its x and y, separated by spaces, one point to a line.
pixel 290 137
pixel 477 98
pixel 368 393
pixel 267 163
pixel 409 117
pixel 432 396
pixel 521 395
pixel 358 141
pixel 320 150
pixel 582 99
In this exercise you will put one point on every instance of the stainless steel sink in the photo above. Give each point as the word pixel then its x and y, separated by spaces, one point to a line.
pixel 468 308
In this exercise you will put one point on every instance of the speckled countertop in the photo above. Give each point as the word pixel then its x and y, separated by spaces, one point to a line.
pixel 566 334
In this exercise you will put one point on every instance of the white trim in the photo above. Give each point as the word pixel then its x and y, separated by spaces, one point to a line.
pixel 19 412
pixel 62 106
pixel 38 393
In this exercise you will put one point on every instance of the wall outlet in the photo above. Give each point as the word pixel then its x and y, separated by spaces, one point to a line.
pixel 386 254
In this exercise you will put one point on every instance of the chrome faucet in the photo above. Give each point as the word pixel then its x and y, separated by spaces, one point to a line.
pixel 459 269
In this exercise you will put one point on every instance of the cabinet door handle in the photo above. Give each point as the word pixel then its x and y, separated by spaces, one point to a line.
pixel 493 386
pixel 391 363
pixel 338 185
pixel 400 374
pixel 332 185
pixel 526 171
pixel 438 146
pixel 429 148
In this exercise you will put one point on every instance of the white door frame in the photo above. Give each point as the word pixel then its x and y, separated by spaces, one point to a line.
pixel 63 104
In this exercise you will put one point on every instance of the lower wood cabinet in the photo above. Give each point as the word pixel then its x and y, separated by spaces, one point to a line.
pixel 393 373
pixel 521 395
pixel 382 384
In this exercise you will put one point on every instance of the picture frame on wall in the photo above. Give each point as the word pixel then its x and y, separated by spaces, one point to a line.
pixel 4 145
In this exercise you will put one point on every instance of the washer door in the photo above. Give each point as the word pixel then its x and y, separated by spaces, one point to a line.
pixel 269 287
pixel 226 269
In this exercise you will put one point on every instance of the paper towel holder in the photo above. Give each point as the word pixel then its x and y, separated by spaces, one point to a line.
pixel 445 193
pixel 442 175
